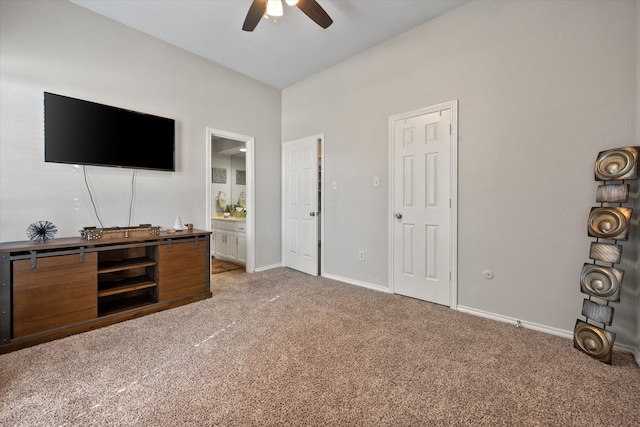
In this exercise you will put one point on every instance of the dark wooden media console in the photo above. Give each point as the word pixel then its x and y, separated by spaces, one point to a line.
pixel 69 285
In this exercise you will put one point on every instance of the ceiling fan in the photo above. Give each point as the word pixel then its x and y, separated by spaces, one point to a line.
pixel 264 8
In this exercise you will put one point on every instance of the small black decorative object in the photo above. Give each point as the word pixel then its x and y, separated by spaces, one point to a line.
pixel 41 231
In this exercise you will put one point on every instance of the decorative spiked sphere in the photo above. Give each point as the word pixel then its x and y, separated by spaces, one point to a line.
pixel 41 231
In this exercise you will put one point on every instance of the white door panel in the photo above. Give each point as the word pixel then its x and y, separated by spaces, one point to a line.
pixel 421 199
pixel 300 222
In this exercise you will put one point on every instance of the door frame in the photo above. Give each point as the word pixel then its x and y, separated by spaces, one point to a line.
pixel 453 192
pixel 250 193
pixel 320 138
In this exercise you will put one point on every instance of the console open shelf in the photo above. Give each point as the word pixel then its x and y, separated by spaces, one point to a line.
pixel 127 285
pixel 126 264
pixel 127 278
pixel 134 299
pixel 70 285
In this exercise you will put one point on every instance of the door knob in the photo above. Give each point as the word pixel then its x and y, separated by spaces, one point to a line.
pixel 398 215
pixel 312 213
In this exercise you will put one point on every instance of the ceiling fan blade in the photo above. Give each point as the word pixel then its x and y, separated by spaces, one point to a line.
pixel 255 14
pixel 313 10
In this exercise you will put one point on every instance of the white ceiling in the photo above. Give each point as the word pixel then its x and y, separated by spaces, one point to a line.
pixel 279 54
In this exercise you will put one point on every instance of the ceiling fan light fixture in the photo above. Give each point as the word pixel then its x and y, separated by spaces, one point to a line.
pixel 269 8
pixel 274 8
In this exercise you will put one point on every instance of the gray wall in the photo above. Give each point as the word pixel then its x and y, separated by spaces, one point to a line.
pixel 542 88
pixel 60 47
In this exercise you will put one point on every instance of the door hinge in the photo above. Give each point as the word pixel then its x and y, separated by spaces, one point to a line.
pixel 450 130
pixel 449 203
pixel 449 276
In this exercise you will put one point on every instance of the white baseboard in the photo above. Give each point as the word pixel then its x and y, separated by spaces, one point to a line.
pixel 517 322
pixel 542 328
pixel 357 283
pixel 268 267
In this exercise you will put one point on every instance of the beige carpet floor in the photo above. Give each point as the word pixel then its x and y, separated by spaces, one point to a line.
pixel 282 348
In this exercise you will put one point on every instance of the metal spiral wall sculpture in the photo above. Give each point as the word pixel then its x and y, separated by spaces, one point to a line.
pixel 602 283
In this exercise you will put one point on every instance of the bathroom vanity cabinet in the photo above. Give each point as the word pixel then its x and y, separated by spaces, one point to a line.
pixel 229 239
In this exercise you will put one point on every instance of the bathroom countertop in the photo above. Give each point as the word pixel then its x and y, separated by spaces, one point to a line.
pixel 231 218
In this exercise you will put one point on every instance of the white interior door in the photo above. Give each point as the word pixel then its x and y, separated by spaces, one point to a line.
pixel 422 193
pixel 300 200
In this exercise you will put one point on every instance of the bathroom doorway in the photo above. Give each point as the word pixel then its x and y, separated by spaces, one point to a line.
pixel 230 183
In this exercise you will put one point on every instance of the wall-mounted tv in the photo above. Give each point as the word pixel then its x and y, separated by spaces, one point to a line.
pixel 86 133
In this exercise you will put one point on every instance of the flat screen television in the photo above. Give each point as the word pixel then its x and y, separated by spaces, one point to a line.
pixel 86 133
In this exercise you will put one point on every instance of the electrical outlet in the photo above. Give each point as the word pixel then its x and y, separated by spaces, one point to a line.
pixel 361 255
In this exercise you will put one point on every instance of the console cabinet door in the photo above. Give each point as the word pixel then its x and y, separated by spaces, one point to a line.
pixel 59 291
pixel 183 271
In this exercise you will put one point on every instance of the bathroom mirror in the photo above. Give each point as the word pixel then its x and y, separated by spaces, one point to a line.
pixel 228 172
pixel 238 178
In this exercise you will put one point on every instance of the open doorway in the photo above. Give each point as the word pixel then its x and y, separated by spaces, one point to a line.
pixel 230 182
